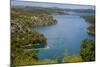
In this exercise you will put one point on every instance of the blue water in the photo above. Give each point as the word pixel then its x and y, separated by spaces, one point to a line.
pixel 84 14
pixel 68 34
pixel 81 14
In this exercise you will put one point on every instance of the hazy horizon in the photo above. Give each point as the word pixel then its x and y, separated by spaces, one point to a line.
pixel 50 5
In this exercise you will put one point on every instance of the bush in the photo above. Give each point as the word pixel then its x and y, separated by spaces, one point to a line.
pixel 87 50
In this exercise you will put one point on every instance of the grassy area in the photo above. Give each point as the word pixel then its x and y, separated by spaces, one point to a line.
pixel 71 59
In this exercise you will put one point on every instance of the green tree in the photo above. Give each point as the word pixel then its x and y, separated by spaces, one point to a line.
pixel 87 50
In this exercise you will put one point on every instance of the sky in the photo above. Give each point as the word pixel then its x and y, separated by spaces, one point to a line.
pixel 86 2
pixel 43 4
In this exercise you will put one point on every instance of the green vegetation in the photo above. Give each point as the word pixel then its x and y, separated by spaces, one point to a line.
pixel 71 59
pixel 67 58
pixel 23 37
pixel 87 53
pixel 91 20
pixel 87 50
pixel 28 58
pixel 27 21
pixel 91 29
pixel 21 41
pixel 38 10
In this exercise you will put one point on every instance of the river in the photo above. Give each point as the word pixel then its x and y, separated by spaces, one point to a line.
pixel 67 34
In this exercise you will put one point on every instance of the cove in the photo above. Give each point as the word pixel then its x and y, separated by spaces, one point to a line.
pixel 67 34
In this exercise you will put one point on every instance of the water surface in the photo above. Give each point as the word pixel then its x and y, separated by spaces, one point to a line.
pixel 68 34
